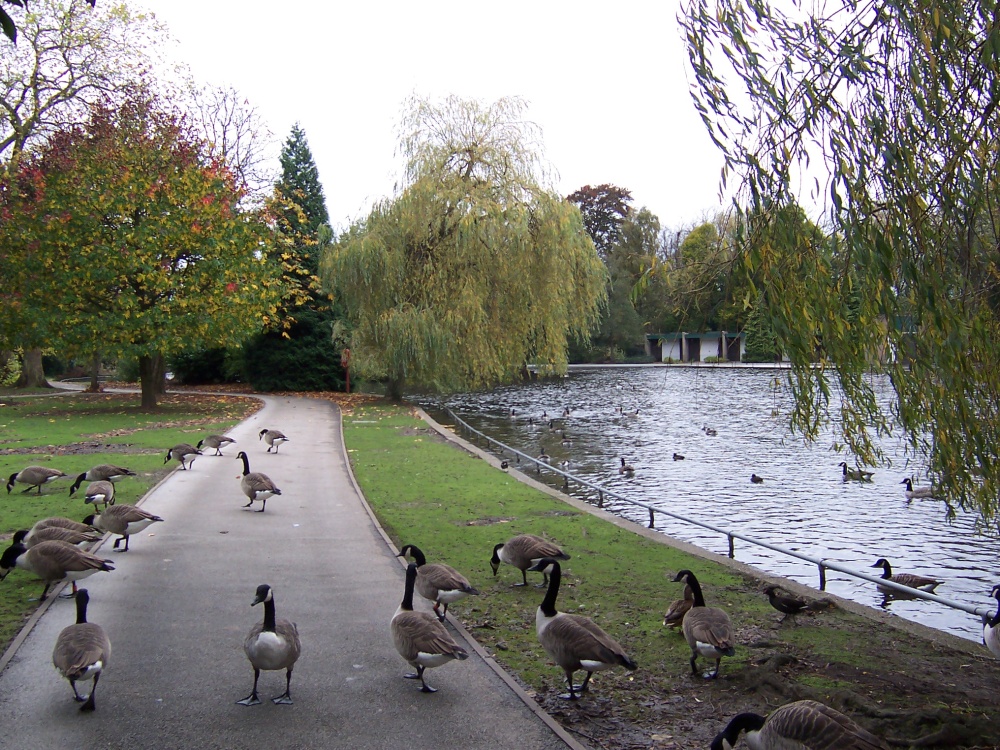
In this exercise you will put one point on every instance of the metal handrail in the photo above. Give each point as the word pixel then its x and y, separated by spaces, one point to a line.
pixel 822 564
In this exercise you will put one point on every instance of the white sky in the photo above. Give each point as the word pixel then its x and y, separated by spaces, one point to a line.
pixel 607 83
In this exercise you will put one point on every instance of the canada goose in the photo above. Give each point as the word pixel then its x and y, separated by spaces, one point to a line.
pixel 785 602
pixel 566 442
pixel 523 551
pixel 855 475
pixel 256 486
pixel 82 651
pixel 102 492
pixel 273 438
pixel 678 608
pixel 184 453
pixel 272 644
pixel 916 493
pixel 626 469
pixel 991 630
pixel 678 457
pixel 439 583
pixel 420 638
pixel 33 476
pixel 912 580
pixel 54 534
pixel 802 724
pixel 504 465
pixel 215 441
pixel 574 641
pixel 756 479
pixel 710 431
pixel 102 472
pixel 124 520
pixel 543 456
pixel 708 630
pixel 52 562
pixel 60 522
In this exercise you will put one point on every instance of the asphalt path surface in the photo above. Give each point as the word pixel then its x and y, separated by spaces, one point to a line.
pixel 177 609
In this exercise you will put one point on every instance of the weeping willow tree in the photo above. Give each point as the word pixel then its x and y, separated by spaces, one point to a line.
pixel 887 113
pixel 475 269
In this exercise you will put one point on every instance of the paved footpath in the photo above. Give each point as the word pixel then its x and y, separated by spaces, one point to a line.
pixel 178 608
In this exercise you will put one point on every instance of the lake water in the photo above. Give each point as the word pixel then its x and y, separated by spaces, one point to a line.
pixel 647 414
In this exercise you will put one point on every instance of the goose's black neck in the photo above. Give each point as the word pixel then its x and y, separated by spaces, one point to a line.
pixel 886 570
pixel 996 618
pixel 418 556
pixel 548 605
pixel 741 722
pixel 246 463
pixel 496 556
pixel 269 620
pixel 411 577
pixel 699 598
pixel 82 597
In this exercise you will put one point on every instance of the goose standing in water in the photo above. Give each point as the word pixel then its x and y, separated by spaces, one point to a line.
pixel 914 581
pixel 420 638
pixel 437 582
pixel 82 651
pixel 523 551
pixel 255 485
pixel 991 630
pixel 272 645
pixel 273 438
pixel 801 725
pixel 707 630
pixel 573 641
pixel 34 477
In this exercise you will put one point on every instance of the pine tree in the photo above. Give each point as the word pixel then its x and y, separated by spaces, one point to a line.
pixel 300 183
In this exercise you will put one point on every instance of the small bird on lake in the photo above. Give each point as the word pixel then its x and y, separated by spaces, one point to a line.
pixel 626 469
pixel 678 457
pixel 215 441
pixel 710 431
pixel 543 456
pixel 273 438
pixel 914 581
pixel 916 493
pixel 855 475
pixel 756 479
pixel 271 645
pixel 34 477
pixel 82 652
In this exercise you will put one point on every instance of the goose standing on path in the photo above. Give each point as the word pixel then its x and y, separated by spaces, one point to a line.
pixel 573 641
pixel 803 725
pixel 183 452
pixel 991 630
pixel 34 477
pixel 914 581
pixel 216 442
pixel 82 651
pixel 124 520
pixel 272 644
pixel 102 492
pixel 437 582
pixel 854 475
pixel 273 438
pixel 52 562
pixel 255 485
pixel 916 493
pixel 523 551
pixel 707 630
pixel 102 472
pixel 420 638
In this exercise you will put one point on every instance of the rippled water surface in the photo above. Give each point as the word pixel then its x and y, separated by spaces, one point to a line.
pixel 803 504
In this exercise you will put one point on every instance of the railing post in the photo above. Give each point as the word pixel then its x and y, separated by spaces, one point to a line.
pixel 600 499
pixel 651 519
pixel 822 577
pixel 732 547
pixel 565 483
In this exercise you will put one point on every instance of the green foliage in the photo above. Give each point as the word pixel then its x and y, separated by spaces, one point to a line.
pixel 208 366
pixel 761 343
pixel 304 360
pixel 474 269
pixel 299 182
pixel 895 106
pixel 604 209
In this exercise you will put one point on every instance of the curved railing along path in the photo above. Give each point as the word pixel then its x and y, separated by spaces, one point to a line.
pixel 178 607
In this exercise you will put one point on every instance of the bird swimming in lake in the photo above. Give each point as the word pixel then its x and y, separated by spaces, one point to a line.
pixel 916 493
pixel 914 581
pixel 855 475
pixel 678 457
pixel 626 469
pixel 756 479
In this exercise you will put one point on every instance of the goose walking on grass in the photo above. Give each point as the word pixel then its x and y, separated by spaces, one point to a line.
pixel 678 608
pixel 271 645
pixel 707 630
pixel 917 493
pixel 55 534
pixel 437 582
pixel 100 492
pixel 53 562
pixel 420 638
pixel 802 725
pixel 82 651
pixel 255 485
pixel 34 477
pixel 991 630
pixel 914 581
pixel 123 520
pixel 523 551
pixel 215 441
pixel 59 522
pixel 183 452
pixel 854 475
pixel 102 473
pixel 574 642
pixel 273 438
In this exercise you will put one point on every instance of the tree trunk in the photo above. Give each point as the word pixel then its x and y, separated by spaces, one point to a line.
pixel 147 381
pixel 394 389
pixel 159 373
pixel 32 375
pixel 95 371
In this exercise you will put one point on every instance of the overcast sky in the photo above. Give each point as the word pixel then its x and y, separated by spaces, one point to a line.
pixel 607 83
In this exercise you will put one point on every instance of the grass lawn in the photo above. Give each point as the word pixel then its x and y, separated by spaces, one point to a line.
pixel 456 507
pixel 75 432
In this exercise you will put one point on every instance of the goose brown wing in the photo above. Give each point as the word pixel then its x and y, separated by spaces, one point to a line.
pixel 52 560
pixel 80 646
pixel 676 611
pixel 823 728
pixel 127 514
pixel 420 632
pixel 259 482
pixel 442 577
pixel 576 638
pixel 532 547
pixel 913 580
pixel 709 625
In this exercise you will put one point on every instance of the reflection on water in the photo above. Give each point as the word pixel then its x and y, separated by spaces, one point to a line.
pixel 648 414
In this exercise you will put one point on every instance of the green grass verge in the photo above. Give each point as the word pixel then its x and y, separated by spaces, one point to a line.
pixel 73 433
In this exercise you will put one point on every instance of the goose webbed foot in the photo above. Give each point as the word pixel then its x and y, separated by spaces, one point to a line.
pixel 250 700
pixel 411 676
pixel 89 704
pixel 284 700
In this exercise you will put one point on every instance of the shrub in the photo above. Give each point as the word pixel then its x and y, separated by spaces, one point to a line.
pixel 307 360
